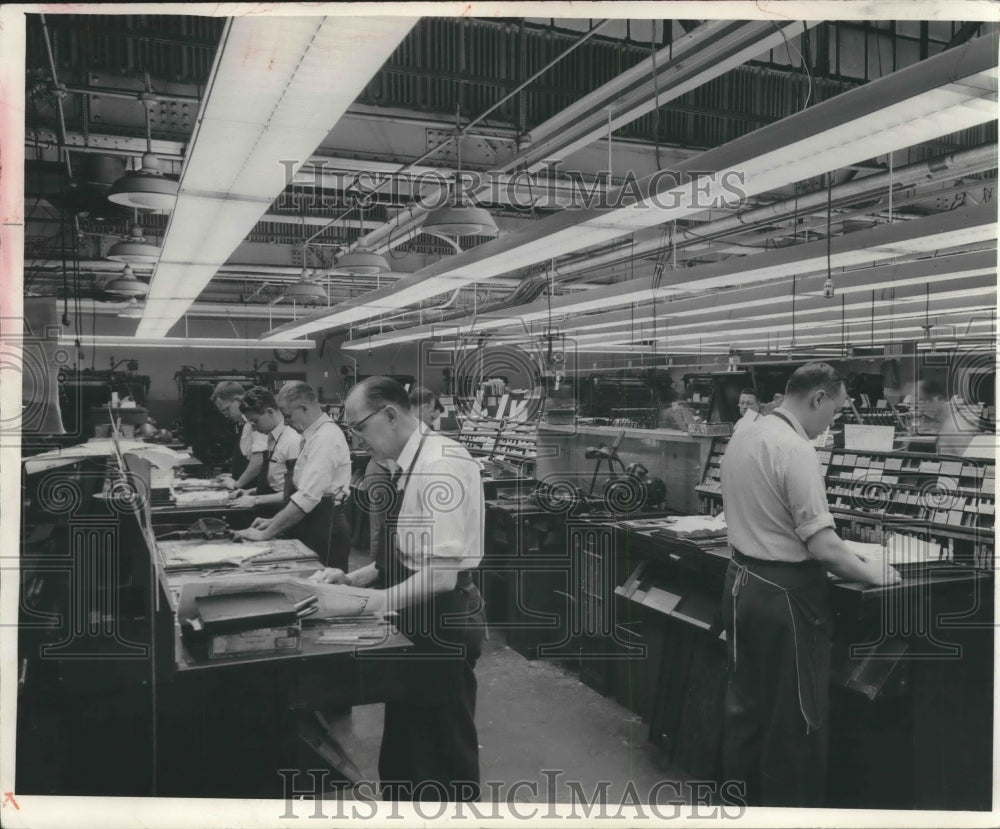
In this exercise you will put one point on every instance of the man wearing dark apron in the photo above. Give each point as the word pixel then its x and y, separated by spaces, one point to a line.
pixel 261 410
pixel 248 445
pixel 319 481
pixel 776 606
pixel 432 537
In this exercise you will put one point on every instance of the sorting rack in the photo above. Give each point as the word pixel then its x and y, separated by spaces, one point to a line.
pixel 949 498
pixel 479 435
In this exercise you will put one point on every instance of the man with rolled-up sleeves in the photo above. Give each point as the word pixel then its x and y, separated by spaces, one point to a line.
pixel 321 477
pixel 776 606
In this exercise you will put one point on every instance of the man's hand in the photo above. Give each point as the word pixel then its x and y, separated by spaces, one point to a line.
pixel 252 534
pixel 226 481
pixel 257 531
pixel 330 575
pixel 888 573
pixel 244 501
pixel 237 493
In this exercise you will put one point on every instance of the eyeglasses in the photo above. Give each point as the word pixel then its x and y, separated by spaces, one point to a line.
pixel 356 427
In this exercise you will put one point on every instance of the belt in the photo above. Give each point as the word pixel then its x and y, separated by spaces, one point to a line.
pixel 750 561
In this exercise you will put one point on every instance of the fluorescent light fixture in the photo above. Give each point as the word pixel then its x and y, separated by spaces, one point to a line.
pixel 951 91
pixel 854 313
pixel 278 87
pixel 735 336
pixel 113 341
pixel 919 236
pixel 832 334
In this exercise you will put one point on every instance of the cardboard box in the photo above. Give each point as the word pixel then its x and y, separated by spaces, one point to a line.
pixel 269 640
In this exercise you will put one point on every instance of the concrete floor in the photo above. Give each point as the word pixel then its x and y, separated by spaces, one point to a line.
pixel 534 715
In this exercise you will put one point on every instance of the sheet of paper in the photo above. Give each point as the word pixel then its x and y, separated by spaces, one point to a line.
pixel 212 553
pixel 901 549
pixel 905 549
pixel 202 497
pixel 196 483
pixel 160 456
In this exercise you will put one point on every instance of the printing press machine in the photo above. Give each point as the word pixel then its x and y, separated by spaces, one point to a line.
pixel 119 695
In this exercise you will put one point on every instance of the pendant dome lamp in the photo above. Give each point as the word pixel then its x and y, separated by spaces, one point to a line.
pixel 146 188
pixel 307 291
pixel 132 310
pixel 361 261
pixel 126 285
pixel 460 219
pixel 134 249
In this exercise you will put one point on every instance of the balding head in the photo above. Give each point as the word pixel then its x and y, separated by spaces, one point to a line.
pixel 814 394
pixel 378 413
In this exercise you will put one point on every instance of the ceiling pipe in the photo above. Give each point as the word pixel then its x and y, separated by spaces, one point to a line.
pixel 975 160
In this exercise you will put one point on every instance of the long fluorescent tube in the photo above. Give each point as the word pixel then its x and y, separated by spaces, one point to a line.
pixel 740 333
pixel 855 312
pixel 278 87
pixel 943 272
pixel 115 341
pixel 941 95
pixel 829 333
pixel 958 227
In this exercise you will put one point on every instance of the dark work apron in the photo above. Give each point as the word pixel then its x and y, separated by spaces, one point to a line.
pixel 446 617
pixel 324 529
pixel 430 747
pixel 239 462
pixel 779 629
pixel 806 596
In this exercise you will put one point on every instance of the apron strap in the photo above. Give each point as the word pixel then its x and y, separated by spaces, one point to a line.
pixel 782 417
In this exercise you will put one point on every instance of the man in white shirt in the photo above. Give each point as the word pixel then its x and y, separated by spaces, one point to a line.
pixel 776 606
pixel 425 405
pixel 749 407
pixel 321 478
pixel 273 483
pixel 248 453
pixel 434 537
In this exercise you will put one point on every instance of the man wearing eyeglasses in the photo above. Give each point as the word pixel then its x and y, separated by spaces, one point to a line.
pixel 249 446
pixel 321 478
pixel 433 539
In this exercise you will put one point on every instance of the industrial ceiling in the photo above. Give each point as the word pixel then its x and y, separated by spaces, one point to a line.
pixel 862 155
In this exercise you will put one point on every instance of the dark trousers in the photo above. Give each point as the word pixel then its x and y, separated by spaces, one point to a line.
pixel 430 747
pixel 778 628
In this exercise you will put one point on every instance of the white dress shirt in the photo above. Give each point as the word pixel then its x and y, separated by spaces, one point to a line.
pixel 323 465
pixel 283 444
pixel 251 440
pixel 773 492
pixel 750 416
pixel 442 516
